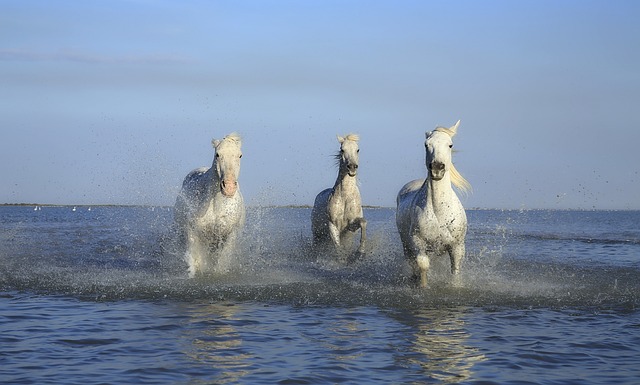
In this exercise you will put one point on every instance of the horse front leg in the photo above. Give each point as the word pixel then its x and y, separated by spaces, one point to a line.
pixel 363 235
pixel 456 254
pixel 220 253
pixel 334 233
pixel 360 223
pixel 193 254
pixel 423 265
pixel 422 259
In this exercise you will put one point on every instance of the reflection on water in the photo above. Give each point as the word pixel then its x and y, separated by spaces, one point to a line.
pixel 440 346
pixel 341 337
pixel 214 342
pixel 242 343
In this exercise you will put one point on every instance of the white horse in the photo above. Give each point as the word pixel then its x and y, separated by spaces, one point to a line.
pixel 337 211
pixel 209 210
pixel 429 216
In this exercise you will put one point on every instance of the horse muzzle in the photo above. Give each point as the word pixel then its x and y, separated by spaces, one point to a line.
pixel 228 187
pixel 436 170
pixel 352 169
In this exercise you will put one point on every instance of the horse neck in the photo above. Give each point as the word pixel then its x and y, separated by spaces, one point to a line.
pixel 438 191
pixel 213 180
pixel 345 183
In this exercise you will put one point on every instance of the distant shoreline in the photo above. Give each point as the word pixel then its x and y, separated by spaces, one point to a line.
pixel 73 205
pixel 126 205
pixel 370 207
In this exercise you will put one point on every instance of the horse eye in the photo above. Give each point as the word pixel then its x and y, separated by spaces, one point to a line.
pixel 241 155
pixel 217 155
pixel 358 151
pixel 451 146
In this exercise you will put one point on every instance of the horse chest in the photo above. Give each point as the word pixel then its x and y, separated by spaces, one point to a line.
pixel 220 216
pixel 343 210
pixel 433 229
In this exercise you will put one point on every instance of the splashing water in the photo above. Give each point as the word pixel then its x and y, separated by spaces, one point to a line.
pixel 513 258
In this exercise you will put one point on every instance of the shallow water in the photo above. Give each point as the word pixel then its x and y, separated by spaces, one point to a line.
pixel 102 296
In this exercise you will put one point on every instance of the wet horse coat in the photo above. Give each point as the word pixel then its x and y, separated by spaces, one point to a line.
pixel 209 210
pixel 429 216
pixel 337 211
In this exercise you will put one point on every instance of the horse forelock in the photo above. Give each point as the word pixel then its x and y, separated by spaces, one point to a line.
pixel 445 130
pixel 233 137
pixel 352 137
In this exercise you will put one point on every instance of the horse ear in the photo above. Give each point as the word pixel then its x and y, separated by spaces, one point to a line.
pixel 215 143
pixel 427 134
pixel 454 128
pixel 340 138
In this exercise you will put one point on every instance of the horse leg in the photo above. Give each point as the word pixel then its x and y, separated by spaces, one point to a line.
pixel 192 255
pixel 191 269
pixel 224 252
pixel 422 259
pixel 456 253
pixel 423 264
pixel 363 234
pixel 335 234
pixel 360 223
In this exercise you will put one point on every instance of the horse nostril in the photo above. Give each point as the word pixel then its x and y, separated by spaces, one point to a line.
pixel 437 166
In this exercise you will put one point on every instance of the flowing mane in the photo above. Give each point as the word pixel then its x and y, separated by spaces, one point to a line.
pixel 457 179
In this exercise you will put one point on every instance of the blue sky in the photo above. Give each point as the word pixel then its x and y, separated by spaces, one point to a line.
pixel 116 101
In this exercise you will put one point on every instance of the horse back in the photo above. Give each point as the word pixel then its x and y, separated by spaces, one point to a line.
pixel 320 205
pixel 192 192
pixel 320 215
pixel 194 177
pixel 322 198
pixel 408 190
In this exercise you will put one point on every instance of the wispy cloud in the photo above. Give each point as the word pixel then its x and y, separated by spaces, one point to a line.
pixel 90 58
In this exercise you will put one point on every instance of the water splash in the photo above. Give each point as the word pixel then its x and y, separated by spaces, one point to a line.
pixel 112 254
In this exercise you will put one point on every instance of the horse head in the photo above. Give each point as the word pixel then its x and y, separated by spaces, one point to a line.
pixel 348 155
pixel 438 146
pixel 227 163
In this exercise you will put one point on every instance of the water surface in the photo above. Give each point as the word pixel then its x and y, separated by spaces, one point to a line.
pixel 102 296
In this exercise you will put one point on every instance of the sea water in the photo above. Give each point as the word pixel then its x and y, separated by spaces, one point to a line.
pixel 93 295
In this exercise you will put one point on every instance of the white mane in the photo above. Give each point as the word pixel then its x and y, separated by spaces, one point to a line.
pixel 457 179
